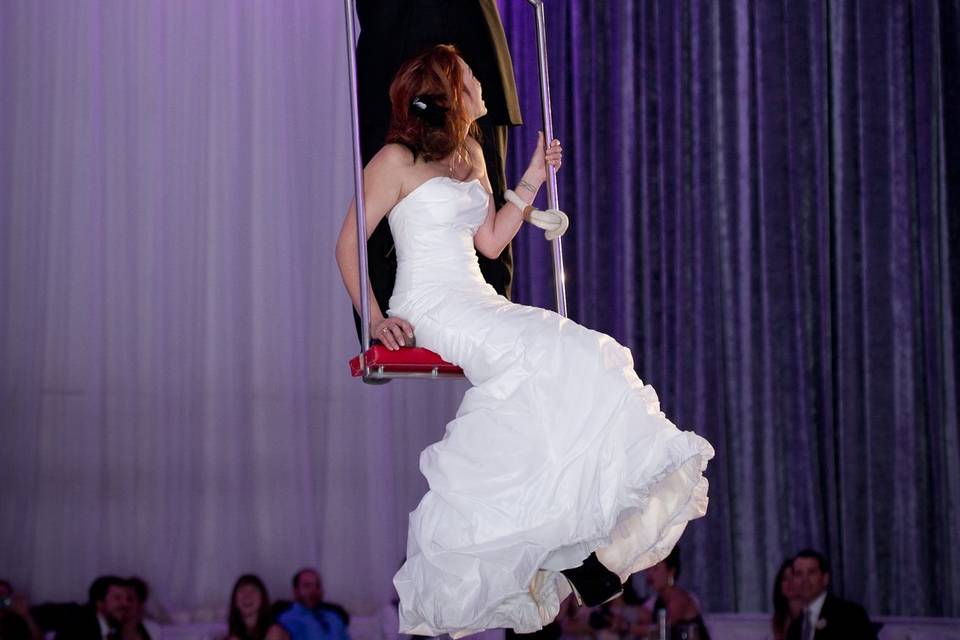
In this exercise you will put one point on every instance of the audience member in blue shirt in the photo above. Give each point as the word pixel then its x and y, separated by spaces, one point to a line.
pixel 310 618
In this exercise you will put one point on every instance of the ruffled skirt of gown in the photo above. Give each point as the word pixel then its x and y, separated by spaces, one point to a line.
pixel 556 451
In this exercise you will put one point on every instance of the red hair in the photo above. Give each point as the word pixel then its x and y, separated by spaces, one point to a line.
pixel 428 113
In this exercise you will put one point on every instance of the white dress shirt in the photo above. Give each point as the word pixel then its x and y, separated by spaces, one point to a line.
pixel 812 612
pixel 815 607
pixel 104 627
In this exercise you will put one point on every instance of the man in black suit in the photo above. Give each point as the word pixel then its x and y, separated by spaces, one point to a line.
pixel 136 625
pixel 102 617
pixel 825 616
pixel 392 31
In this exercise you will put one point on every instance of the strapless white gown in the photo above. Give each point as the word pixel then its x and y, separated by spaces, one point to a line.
pixel 557 450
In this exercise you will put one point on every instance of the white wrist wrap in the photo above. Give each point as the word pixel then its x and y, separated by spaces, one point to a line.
pixel 553 221
pixel 512 197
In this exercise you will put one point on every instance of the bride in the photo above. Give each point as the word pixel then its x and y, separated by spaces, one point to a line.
pixel 559 470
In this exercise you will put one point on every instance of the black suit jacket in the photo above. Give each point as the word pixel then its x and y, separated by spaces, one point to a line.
pixel 81 625
pixel 392 31
pixel 839 620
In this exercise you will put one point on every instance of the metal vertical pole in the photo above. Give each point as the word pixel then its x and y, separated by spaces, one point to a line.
pixel 559 284
pixel 358 184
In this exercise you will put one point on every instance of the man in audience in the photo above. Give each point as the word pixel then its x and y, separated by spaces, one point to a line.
pixel 310 618
pixel 135 625
pixel 104 614
pixel 824 616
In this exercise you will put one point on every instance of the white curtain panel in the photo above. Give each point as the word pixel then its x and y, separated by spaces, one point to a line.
pixel 174 395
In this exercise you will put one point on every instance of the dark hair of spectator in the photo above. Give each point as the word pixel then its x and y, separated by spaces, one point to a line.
pixel 140 588
pixel 816 555
pixel 99 588
pixel 5 583
pixel 781 606
pixel 237 627
pixel 428 112
pixel 299 574
pixel 673 562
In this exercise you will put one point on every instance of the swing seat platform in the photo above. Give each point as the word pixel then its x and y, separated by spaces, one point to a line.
pixel 406 362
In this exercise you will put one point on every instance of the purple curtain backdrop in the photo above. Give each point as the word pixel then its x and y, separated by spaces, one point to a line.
pixel 174 335
pixel 764 207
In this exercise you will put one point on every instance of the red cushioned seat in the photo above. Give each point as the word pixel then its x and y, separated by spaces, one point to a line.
pixel 405 362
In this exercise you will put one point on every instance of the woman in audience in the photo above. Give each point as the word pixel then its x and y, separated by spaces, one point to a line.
pixel 16 623
pixel 684 619
pixel 618 619
pixel 787 603
pixel 250 617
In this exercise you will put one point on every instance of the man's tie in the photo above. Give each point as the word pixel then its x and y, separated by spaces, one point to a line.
pixel 806 626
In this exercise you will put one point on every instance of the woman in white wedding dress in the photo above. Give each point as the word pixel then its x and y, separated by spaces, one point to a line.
pixel 559 468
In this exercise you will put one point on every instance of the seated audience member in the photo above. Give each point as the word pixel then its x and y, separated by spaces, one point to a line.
pixel 681 608
pixel 550 631
pixel 574 620
pixel 16 623
pixel 250 617
pixel 388 622
pixel 613 620
pixel 631 593
pixel 824 616
pixel 103 616
pixel 787 603
pixel 136 626
pixel 310 618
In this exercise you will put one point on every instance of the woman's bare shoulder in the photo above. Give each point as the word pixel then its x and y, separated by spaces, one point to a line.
pixel 394 156
pixel 388 171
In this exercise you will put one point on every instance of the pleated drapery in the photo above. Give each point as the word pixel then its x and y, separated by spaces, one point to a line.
pixel 763 199
pixel 175 400
pixel 765 206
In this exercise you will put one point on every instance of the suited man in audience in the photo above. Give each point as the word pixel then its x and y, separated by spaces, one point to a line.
pixel 310 618
pixel 392 31
pixel 825 616
pixel 104 614
pixel 136 625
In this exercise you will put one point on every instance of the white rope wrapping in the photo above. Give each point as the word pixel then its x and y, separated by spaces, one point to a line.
pixel 553 221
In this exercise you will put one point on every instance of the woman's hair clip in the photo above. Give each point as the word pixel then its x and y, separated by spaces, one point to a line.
pixel 427 109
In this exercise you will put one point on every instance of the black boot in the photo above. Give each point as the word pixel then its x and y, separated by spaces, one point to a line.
pixel 593 584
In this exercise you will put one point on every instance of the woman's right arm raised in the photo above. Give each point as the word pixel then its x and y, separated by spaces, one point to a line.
pixel 382 187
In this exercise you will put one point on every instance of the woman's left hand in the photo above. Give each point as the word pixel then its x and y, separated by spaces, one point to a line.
pixel 393 332
pixel 543 156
